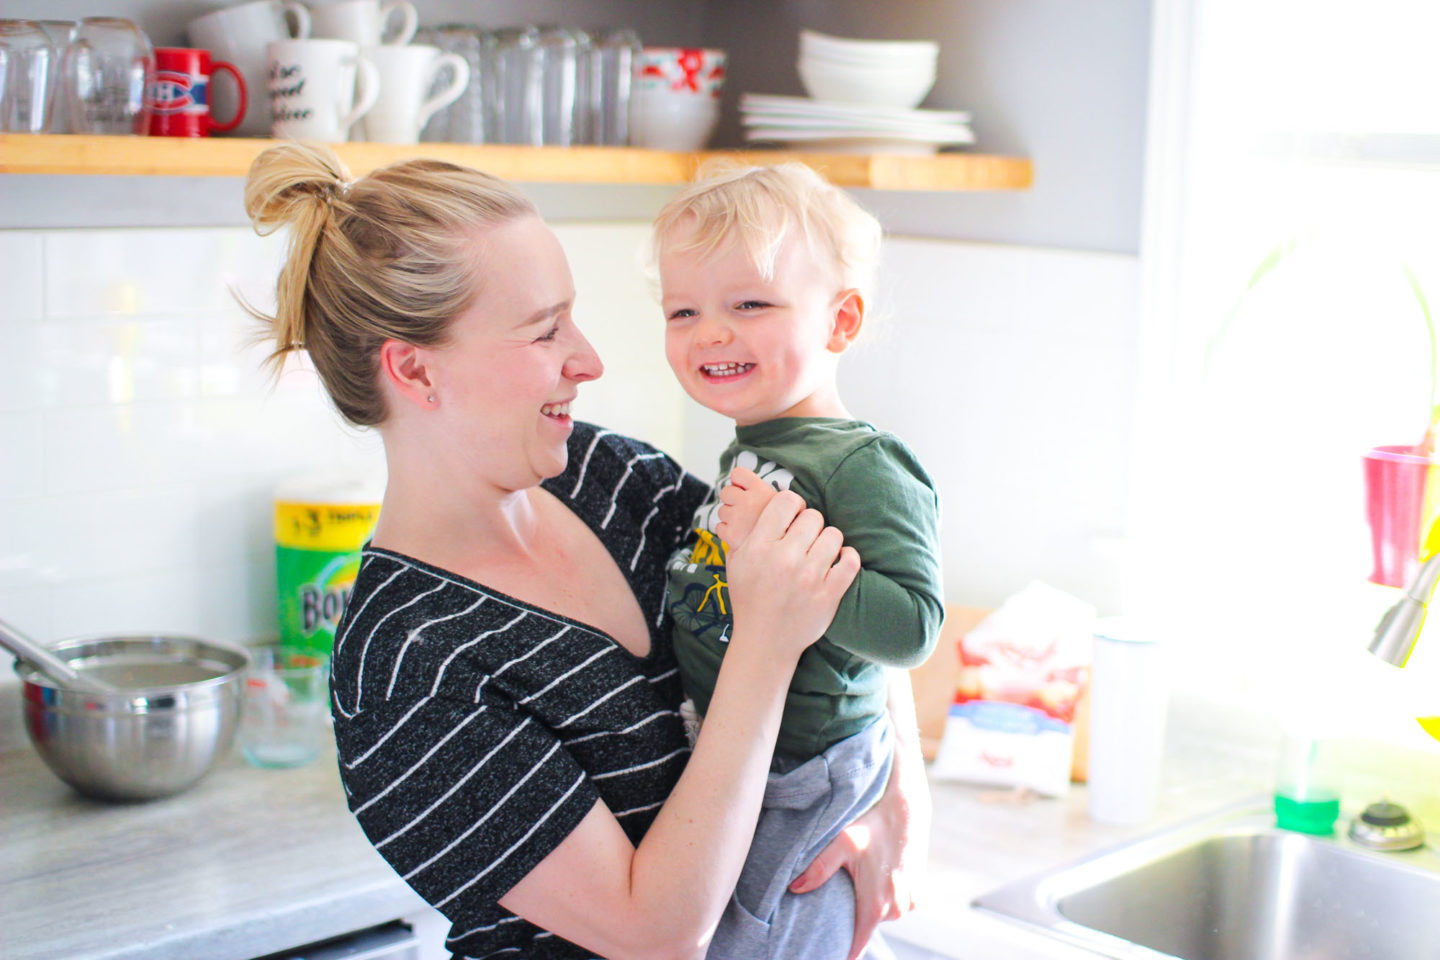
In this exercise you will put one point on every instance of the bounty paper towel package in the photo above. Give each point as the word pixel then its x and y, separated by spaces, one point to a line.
pixel 321 522
pixel 1022 671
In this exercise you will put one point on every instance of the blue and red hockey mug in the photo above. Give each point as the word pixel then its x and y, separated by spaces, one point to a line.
pixel 179 96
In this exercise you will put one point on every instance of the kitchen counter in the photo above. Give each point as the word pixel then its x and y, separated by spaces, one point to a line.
pixel 245 863
pixel 250 862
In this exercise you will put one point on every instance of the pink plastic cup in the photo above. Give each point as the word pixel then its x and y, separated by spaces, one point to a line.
pixel 1395 505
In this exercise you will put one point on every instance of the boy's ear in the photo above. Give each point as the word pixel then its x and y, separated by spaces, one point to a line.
pixel 848 315
pixel 402 365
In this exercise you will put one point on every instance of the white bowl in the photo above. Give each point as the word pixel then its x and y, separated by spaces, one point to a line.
pixel 672 124
pixel 824 44
pixel 869 62
pixel 682 71
pixel 904 86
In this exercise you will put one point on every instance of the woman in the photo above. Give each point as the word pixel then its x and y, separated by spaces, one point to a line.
pixel 504 694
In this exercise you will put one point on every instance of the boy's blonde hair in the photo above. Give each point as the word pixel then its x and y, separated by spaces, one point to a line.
pixel 757 207
pixel 384 257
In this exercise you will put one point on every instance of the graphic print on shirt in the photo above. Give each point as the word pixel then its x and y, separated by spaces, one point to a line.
pixel 703 607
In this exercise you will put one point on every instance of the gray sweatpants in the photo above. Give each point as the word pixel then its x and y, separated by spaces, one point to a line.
pixel 804 809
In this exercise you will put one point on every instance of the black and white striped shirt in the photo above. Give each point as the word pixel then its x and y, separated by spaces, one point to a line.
pixel 476 730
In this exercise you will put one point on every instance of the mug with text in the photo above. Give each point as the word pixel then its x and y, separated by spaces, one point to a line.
pixel 408 94
pixel 364 21
pixel 240 35
pixel 180 93
pixel 314 93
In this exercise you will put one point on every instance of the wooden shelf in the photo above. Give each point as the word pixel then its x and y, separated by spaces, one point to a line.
pixel 231 157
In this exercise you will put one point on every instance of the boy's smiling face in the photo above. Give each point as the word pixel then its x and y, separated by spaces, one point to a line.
pixel 755 349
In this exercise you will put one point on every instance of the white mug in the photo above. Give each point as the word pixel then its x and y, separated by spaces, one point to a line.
pixel 407 77
pixel 313 88
pixel 240 35
pixel 363 21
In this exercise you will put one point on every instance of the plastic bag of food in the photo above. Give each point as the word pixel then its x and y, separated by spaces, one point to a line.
pixel 1023 669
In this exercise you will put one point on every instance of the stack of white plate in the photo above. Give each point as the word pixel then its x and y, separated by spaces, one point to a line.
pixel 836 127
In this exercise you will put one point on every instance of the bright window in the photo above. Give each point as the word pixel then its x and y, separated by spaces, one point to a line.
pixel 1311 129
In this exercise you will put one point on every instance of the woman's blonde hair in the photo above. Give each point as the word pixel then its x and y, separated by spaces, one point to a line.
pixel 384 257
pixel 757 207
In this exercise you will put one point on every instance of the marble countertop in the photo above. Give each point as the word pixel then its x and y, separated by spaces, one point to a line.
pixel 245 863
pixel 250 862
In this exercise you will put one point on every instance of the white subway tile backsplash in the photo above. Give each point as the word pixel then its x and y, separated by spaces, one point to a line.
pixel 268 436
pixel 29 610
pixel 154 271
pixel 234 520
pixel 52 540
pixel 121 361
pixel 20 277
pixel 924 285
pixel 238 601
pixel 26 557
pixel 24 382
pixel 22 467
pixel 131 531
pixel 170 600
pixel 118 447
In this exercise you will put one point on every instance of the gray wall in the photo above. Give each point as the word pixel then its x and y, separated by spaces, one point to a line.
pixel 1061 82
pixel 1058 81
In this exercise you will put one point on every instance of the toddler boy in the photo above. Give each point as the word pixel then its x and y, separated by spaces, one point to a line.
pixel 764 275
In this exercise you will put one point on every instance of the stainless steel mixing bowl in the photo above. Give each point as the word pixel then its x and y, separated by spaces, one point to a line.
pixel 173 717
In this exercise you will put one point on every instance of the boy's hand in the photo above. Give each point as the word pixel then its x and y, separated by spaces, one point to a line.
pixel 741 501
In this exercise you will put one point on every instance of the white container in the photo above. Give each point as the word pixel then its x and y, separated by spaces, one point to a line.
pixel 1129 691
pixel 669 123
pixel 903 85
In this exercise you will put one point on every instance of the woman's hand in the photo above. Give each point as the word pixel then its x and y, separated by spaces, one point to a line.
pixel 885 850
pixel 787 577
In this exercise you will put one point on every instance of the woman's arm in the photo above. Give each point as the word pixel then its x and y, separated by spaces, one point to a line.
pixel 886 849
pixel 664 898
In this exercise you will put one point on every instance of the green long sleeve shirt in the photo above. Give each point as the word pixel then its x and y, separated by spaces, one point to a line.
pixel 868 484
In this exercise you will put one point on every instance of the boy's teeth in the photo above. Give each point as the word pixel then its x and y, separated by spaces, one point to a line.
pixel 556 409
pixel 725 369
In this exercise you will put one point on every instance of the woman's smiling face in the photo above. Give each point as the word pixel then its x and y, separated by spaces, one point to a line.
pixel 748 347
pixel 515 357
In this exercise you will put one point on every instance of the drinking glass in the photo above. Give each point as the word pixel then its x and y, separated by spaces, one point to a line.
pixel 611 60
pixel 285 706
pixel 107 69
pixel 556 60
pixel 463 121
pixel 515 90
pixel 61 33
pixel 27 68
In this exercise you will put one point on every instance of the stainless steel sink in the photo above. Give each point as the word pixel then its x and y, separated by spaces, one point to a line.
pixel 1233 887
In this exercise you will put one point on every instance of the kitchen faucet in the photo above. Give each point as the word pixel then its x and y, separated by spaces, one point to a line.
pixel 1399 629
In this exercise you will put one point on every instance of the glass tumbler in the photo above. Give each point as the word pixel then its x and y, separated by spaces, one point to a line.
pixel 463 121
pixel 61 33
pixel 515 90
pixel 285 707
pixel 556 61
pixel 27 72
pixel 107 69
pixel 611 61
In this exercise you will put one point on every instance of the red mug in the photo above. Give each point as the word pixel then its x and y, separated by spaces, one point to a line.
pixel 179 97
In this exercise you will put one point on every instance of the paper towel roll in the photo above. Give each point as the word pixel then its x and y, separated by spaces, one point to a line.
pixel 321 522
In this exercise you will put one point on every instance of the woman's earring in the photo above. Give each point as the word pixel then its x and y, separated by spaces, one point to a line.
pixel 430 398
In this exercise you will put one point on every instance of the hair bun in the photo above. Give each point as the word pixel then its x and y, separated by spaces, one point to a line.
pixel 291 183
